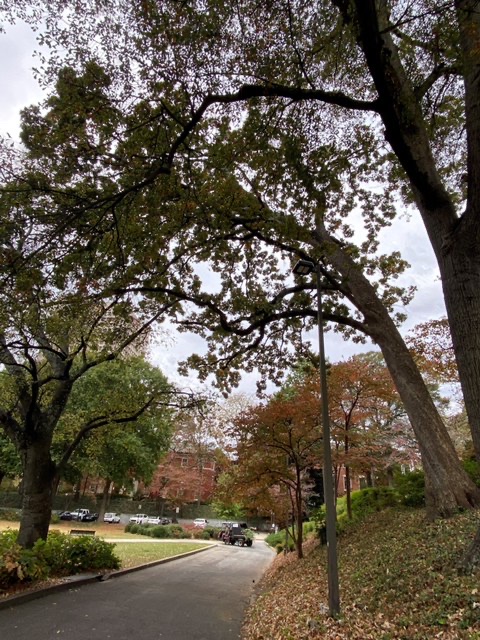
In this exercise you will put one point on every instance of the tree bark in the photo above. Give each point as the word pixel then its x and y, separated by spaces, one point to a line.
pixel 454 239
pixel 448 487
pixel 470 562
pixel 348 492
pixel 38 491
pixel 299 513
pixel 105 499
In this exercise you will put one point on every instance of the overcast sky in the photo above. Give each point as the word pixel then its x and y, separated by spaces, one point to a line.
pixel 19 89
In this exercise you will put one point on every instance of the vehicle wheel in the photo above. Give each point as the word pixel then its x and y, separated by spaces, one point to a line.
pixel 249 543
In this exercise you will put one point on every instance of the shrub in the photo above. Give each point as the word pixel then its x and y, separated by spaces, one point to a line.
pixel 249 534
pixel 274 539
pixel 372 499
pixel 364 502
pixel 18 564
pixel 410 488
pixel 176 531
pixel 66 555
pixel 160 531
pixel 12 515
pixel 59 555
pixel 309 527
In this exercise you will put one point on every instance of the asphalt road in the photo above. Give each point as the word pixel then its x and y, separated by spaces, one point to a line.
pixel 201 597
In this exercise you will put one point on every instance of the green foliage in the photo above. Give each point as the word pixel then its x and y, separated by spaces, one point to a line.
pixel 472 467
pixel 18 564
pixel 10 465
pixel 117 390
pixel 206 534
pixel 158 531
pixel 67 555
pixel 176 531
pixel 132 528
pixel 229 512
pixel 365 502
pixel 309 527
pixel 274 539
pixel 277 540
pixel 59 555
pixel 410 488
pixel 12 515
pixel 372 499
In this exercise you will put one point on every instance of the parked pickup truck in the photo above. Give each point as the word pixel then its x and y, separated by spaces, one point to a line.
pixel 84 515
pixel 139 518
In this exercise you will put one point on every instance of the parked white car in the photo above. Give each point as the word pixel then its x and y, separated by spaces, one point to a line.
pixel 139 518
pixel 200 522
pixel 112 518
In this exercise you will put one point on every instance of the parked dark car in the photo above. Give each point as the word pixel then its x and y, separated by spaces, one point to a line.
pixel 84 515
pixel 65 515
pixel 158 520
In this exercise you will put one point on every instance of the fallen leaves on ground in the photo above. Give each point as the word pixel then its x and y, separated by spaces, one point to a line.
pixel 398 580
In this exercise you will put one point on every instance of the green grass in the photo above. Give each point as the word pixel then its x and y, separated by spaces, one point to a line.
pixel 134 554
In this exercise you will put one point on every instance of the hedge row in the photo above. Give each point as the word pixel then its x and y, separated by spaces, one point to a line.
pixel 59 555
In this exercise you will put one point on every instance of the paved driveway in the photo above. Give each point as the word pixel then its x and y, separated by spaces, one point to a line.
pixel 201 597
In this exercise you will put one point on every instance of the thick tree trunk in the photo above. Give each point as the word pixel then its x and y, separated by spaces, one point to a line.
pixel 105 499
pixel 299 514
pixel 461 285
pixel 348 492
pixel 455 239
pixel 471 560
pixel 38 492
pixel 448 487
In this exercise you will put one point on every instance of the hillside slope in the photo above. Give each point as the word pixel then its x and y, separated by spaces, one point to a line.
pixel 397 580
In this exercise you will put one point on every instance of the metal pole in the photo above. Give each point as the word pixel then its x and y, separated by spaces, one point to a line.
pixel 328 489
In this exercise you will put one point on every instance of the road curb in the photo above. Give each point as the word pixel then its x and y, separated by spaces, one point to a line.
pixel 76 581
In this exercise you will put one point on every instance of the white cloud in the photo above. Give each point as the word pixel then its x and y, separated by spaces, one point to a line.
pixel 19 88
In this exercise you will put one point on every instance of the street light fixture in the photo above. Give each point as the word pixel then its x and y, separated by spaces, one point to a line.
pixel 305 267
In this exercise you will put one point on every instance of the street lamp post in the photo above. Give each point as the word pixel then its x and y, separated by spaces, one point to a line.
pixel 305 267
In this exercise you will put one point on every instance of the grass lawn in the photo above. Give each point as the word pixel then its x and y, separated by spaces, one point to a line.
pixel 101 529
pixel 132 555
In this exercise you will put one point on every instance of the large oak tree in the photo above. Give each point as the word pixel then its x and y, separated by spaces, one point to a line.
pixel 402 83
